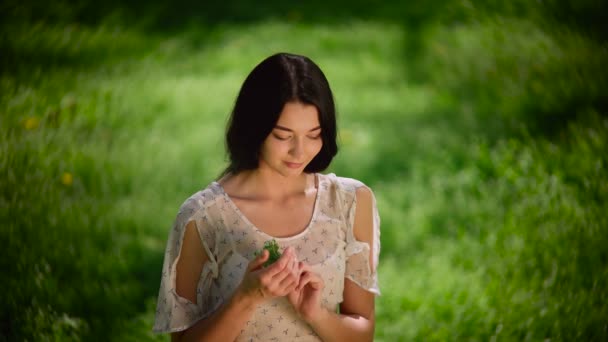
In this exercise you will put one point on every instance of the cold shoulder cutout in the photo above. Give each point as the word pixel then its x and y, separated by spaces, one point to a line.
pixel 359 268
pixel 174 312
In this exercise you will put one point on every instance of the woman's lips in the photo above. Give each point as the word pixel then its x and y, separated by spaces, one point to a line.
pixel 293 165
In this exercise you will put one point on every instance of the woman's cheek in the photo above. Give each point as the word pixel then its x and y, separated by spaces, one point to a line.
pixel 280 146
pixel 316 148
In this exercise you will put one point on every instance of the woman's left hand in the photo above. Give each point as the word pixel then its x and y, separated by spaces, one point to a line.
pixel 306 297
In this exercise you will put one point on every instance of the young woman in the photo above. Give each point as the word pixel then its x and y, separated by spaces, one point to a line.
pixel 215 286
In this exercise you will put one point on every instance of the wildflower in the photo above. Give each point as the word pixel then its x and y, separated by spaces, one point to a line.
pixel 31 123
pixel 67 178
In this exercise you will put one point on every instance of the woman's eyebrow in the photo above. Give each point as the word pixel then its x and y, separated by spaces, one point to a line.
pixel 290 130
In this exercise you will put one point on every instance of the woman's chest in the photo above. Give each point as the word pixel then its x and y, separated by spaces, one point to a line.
pixel 279 219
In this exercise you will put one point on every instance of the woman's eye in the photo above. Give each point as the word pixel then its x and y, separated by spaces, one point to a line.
pixel 280 137
pixel 314 136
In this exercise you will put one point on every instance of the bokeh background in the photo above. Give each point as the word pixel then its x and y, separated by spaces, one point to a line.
pixel 481 126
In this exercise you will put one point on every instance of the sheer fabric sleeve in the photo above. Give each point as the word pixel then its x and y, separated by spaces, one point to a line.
pixel 176 313
pixel 359 268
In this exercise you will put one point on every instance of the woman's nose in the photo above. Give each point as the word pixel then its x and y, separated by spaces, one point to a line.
pixel 297 148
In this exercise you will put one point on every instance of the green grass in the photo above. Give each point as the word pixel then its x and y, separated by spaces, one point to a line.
pixel 481 131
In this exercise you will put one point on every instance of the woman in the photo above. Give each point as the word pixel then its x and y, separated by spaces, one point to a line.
pixel 215 286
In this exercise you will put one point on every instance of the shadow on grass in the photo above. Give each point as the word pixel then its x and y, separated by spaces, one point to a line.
pixel 164 18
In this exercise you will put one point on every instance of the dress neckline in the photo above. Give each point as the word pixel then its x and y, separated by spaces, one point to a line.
pixel 315 209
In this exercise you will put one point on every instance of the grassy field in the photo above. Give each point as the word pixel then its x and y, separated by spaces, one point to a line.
pixel 481 129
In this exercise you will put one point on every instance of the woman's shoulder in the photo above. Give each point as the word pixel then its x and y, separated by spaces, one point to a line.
pixel 345 184
pixel 201 200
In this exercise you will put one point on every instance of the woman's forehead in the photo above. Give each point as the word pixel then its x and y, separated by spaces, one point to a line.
pixel 298 116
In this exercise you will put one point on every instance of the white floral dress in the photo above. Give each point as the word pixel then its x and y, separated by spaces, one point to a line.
pixel 230 241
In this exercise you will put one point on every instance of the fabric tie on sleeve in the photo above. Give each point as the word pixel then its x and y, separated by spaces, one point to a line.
pixel 174 312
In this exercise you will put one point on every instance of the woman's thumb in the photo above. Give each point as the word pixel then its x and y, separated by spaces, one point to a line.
pixel 260 260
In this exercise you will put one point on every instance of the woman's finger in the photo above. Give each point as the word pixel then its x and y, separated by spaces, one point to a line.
pixel 284 261
pixel 305 278
pixel 294 265
pixel 310 278
pixel 281 283
pixel 272 276
pixel 289 280
pixel 304 267
pixel 286 272
pixel 259 261
pixel 289 289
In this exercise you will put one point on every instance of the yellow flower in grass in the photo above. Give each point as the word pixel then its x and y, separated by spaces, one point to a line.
pixel 31 123
pixel 67 179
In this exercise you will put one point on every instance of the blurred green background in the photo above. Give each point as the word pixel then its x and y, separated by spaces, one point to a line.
pixel 482 129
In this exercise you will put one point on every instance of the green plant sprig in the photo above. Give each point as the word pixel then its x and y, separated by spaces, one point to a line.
pixel 273 249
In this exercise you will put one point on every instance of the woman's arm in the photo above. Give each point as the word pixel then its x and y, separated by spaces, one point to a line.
pixel 355 322
pixel 258 284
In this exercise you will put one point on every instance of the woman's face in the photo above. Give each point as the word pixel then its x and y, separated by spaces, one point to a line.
pixel 294 141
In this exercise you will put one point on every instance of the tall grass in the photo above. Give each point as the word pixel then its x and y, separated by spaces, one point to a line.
pixel 484 146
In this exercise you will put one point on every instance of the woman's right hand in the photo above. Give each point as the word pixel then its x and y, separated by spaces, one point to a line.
pixel 276 280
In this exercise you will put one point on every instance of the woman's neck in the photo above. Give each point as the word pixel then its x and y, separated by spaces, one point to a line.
pixel 263 184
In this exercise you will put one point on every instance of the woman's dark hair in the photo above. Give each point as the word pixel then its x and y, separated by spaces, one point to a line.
pixel 279 79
